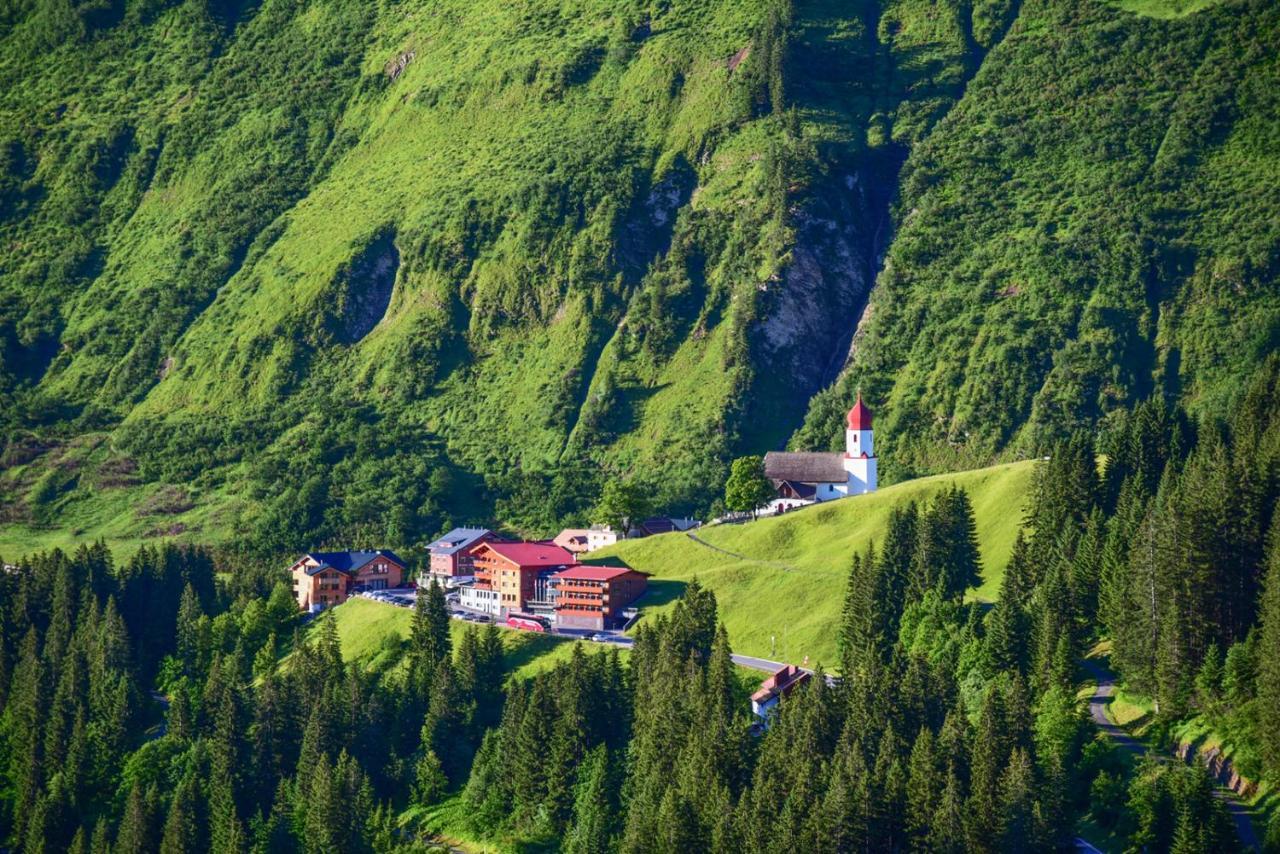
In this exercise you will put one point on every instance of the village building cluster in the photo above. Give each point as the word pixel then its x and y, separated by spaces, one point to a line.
pixel 531 584
pixel 540 584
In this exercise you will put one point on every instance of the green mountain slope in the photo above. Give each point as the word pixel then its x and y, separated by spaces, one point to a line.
pixel 354 269
pixel 780 583
pixel 1097 221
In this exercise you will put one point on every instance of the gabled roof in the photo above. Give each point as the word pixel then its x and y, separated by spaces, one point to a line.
pixel 805 467
pixel 348 561
pixel 800 488
pixel 593 573
pixel 456 540
pixel 570 537
pixel 532 554
pixel 781 683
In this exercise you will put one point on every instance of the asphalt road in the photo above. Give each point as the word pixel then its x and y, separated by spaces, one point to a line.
pixel 757 663
pixel 1098 714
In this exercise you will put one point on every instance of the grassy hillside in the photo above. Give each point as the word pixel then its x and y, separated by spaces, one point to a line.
pixel 356 270
pixel 1164 8
pixel 376 634
pixel 780 596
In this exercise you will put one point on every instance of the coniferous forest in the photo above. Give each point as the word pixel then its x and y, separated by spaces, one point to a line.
pixel 169 703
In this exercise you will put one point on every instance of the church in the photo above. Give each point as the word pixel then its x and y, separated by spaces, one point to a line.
pixel 808 478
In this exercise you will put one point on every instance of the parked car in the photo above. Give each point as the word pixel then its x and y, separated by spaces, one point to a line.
pixel 598 637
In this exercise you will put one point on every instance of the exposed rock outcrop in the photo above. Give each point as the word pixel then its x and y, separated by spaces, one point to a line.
pixel 1219 766
pixel 367 287
pixel 810 314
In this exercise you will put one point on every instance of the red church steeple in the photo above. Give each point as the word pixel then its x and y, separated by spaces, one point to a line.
pixel 859 416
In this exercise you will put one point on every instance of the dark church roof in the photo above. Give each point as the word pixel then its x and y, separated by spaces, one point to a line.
pixel 805 467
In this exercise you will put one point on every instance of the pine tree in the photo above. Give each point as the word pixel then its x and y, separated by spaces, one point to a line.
pixel 1268 653
pixel 594 814
pixel 184 832
pixel 924 787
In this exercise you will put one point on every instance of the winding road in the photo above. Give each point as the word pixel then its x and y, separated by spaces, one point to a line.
pixel 1098 703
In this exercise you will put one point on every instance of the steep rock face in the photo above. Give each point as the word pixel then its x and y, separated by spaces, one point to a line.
pixel 810 315
pixel 365 288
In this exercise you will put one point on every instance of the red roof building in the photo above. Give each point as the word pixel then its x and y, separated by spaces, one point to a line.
pixel 776 687
pixel 593 597
pixel 512 569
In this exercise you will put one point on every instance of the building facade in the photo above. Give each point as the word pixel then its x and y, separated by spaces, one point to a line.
pixel 483 599
pixel 324 579
pixel 450 556
pixel 774 688
pixel 511 570
pixel 593 597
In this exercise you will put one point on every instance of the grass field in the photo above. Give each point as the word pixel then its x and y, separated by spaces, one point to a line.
pixel 376 634
pixel 780 596
pixel 1164 9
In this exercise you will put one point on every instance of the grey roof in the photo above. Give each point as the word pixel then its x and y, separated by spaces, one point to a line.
pixel 347 561
pixel 456 540
pixel 805 467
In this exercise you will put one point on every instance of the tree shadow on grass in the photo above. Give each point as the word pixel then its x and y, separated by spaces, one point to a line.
pixel 660 591
pixel 529 646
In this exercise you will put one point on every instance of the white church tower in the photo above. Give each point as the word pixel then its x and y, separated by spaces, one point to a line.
pixel 860 453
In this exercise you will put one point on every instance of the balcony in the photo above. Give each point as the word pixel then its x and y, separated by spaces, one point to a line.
pixel 594 603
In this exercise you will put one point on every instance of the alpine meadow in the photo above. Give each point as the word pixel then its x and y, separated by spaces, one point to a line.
pixel 639 426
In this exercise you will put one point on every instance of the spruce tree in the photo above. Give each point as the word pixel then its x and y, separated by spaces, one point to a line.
pixel 1268 654
pixel 990 754
pixel 1017 803
pixel 100 842
pixel 188 647
pixel 594 816
pixel 28 697
pixel 184 831
pixel 138 832
pixel 430 782
pixel 924 787
pixel 946 828
pixel 528 765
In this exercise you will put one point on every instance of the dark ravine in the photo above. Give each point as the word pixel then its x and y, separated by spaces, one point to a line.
pixel 366 288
